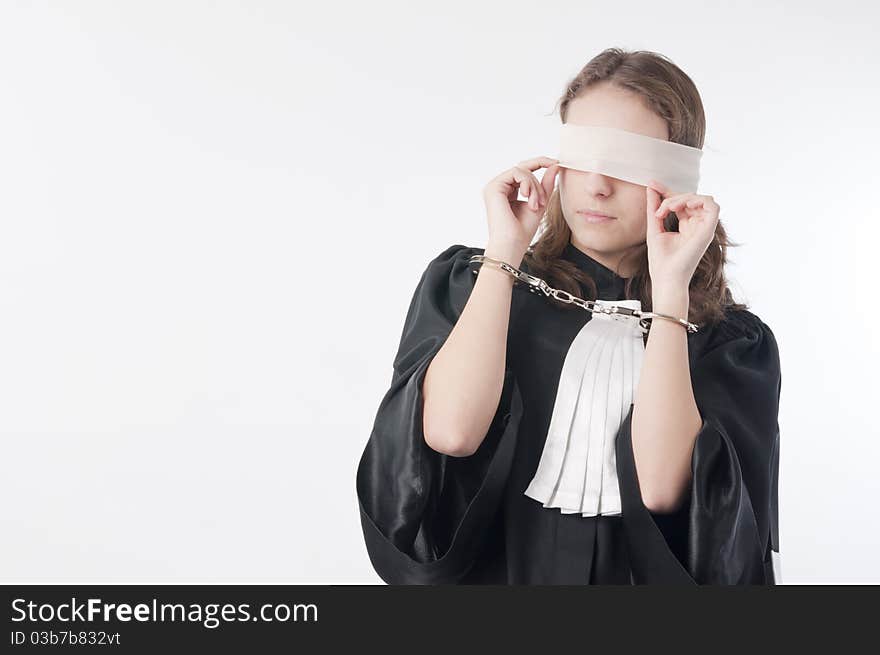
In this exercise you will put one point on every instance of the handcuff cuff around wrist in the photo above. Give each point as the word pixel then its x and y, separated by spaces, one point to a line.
pixel 537 285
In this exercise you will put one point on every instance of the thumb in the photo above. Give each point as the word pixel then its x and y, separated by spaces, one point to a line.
pixel 655 225
pixel 548 180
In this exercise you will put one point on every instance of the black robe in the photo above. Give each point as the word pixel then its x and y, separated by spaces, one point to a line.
pixel 430 518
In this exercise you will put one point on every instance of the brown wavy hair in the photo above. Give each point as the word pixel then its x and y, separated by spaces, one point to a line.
pixel 670 93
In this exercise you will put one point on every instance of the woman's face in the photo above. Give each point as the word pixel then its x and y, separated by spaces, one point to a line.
pixel 607 106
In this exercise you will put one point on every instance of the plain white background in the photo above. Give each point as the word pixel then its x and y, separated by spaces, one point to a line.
pixel 214 215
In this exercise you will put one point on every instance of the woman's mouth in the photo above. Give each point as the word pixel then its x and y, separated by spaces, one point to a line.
pixel 594 217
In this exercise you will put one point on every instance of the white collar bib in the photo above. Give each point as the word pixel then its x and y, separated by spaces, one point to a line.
pixel 578 467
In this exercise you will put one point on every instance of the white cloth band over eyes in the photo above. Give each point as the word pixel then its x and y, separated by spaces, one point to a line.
pixel 629 156
pixel 577 472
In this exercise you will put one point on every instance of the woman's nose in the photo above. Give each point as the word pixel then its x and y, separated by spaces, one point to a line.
pixel 595 183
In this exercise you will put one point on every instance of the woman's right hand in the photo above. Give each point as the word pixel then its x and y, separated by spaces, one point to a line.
pixel 513 223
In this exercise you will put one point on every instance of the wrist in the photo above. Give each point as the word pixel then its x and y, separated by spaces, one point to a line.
pixel 674 301
pixel 509 254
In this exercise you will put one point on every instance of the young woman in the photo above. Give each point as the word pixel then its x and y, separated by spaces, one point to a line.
pixel 528 440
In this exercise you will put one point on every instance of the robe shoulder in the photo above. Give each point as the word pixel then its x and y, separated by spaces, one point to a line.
pixel 439 298
pixel 744 334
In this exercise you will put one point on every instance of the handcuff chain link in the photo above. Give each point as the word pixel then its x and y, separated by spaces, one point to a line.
pixel 564 296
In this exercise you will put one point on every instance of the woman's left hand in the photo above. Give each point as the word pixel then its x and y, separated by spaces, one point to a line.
pixel 674 256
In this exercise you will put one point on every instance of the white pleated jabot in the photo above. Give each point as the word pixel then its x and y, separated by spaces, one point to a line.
pixel 578 467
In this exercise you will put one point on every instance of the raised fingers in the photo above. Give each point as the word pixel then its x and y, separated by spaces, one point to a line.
pixel 520 181
pixel 548 180
pixel 707 202
pixel 535 163
pixel 531 188
pixel 672 203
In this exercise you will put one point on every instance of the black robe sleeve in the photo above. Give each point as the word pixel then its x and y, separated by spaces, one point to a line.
pixel 425 515
pixel 724 531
